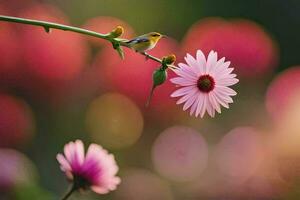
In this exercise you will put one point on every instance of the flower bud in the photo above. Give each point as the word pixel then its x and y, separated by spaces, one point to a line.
pixel 159 77
pixel 117 32
pixel 169 60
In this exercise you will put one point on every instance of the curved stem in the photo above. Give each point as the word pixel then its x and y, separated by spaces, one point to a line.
pixel 150 96
pixel 69 193
pixel 50 25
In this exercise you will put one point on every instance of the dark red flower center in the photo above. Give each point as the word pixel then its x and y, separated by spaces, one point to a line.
pixel 206 83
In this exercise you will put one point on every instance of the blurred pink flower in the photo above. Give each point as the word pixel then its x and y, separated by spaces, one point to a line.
pixel 95 170
pixel 282 91
pixel 248 46
pixel 204 84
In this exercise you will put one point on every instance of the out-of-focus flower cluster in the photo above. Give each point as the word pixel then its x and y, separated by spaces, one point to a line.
pixel 61 85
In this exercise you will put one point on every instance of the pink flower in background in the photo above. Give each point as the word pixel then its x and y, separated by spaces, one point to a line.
pixel 204 84
pixel 248 46
pixel 95 170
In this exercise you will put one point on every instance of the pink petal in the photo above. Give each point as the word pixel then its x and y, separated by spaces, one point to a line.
pixel 93 152
pixel 201 60
pixel 214 102
pixel 99 190
pixel 65 166
pixel 220 99
pixel 183 91
pixel 188 69
pixel 204 106
pixel 200 104
pixel 110 165
pixel 189 102
pixel 224 97
pixel 195 71
pixel 186 74
pixel 109 185
pixel 190 60
pixel 227 81
pixel 194 106
pixel 186 97
pixel 74 153
pixel 226 64
pixel 226 72
pixel 112 183
pixel 106 163
pixel 209 108
pixel 68 151
pixel 218 65
pixel 222 68
pixel 79 151
pixel 223 76
pixel 182 81
pixel 211 61
pixel 226 90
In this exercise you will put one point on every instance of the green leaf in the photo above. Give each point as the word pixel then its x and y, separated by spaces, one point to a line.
pixel 118 48
pixel 47 29
pixel 120 52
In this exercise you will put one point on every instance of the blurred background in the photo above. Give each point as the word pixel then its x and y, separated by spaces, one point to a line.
pixel 62 86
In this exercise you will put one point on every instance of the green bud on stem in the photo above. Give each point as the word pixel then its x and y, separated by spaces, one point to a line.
pixel 159 77
pixel 168 60
pixel 117 32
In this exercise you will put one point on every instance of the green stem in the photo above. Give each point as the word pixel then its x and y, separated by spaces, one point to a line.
pixel 49 25
pixel 150 96
pixel 69 193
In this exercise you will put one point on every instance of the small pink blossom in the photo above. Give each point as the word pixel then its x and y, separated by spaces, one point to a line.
pixel 204 84
pixel 95 170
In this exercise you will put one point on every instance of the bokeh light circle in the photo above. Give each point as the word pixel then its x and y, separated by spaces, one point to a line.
pixel 286 140
pixel 282 91
pixel 16 169
pixel 114 121
pixel 9 55
pixel 53 60
pixel 250 49
pixel 239 154
pixel 57 56
pixel 180 154
pixel 17 124
pixel 139 184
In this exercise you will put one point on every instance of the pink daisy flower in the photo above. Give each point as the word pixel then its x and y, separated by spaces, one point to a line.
pixel 96 170
pixel 204 84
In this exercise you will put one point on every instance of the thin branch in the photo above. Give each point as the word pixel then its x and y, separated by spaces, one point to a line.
pixel 49 25
pixel 69 193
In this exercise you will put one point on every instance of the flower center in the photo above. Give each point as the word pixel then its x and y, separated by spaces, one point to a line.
pixel 206 83
pixel 81 182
